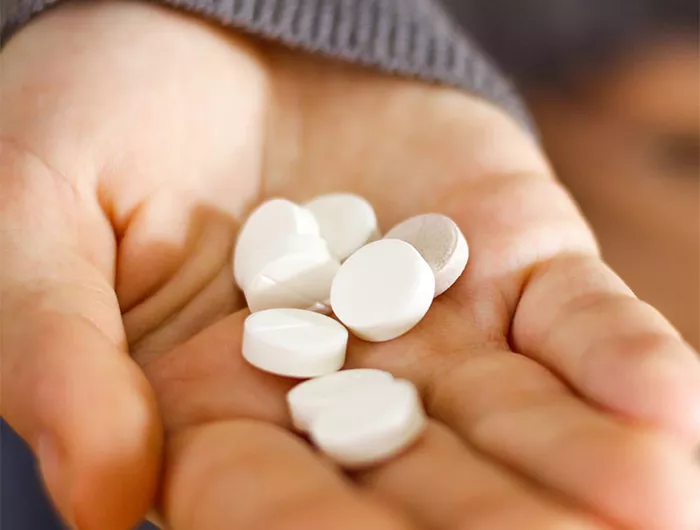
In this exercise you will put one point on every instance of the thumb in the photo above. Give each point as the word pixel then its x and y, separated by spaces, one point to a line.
pixel 69 387
pixel 87 413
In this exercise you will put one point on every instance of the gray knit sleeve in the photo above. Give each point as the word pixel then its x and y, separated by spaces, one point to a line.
pixel 412 38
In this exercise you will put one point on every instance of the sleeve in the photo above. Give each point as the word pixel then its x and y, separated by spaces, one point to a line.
pixel 413 38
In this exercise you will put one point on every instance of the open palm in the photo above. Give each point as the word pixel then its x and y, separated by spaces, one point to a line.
pixel 134 142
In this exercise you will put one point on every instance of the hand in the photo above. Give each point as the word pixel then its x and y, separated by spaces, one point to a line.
pixel 135 139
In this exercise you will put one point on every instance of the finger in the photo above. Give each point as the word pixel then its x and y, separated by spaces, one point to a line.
pixel 515 217
pixel 524 267
pixel 231 463
pixel 207 381
pixel 249 475
pixel 444 485
pixel 69 387
pixel 577 317
pixel 498 188
pixel 515 411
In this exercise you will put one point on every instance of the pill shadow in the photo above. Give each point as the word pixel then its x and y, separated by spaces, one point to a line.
pixel 174 276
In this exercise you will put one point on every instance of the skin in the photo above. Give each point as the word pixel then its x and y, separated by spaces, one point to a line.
pixel 135 139
pixel 628 147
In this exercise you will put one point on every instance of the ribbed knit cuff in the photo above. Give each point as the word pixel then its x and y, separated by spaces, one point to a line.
pixel 412 38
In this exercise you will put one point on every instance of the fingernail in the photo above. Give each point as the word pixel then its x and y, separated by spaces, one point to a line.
pixel 57 475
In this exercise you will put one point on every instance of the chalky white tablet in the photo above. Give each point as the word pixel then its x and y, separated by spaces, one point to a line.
pixel 383 290
pixel 369 430
pixel 300 279
pixel 264 294
pixel 294 343
pixel 251 262
pixel 346 221
pixel 307 400
pixel 272 221
pixel 441 243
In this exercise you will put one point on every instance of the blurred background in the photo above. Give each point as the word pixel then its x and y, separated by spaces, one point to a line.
pixel 614 87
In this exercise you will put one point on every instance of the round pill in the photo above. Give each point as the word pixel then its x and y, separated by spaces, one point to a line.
pixel 273 220
pixel 294 343
pixel 383 290
pixel 264 294
pixel 294 250
pixel 299 280
pixel 307 400
pixel 441 243
pixel 346 221
pixel 371 429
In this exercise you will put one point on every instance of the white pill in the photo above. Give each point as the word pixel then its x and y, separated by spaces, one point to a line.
pixel 299 279
pixel 368 430
pixel 273 220
pixel 294 343
pixel 383 290
pixel 441 243
pixel 256 258
pixel 251 262
pixel 347 222
pixel 264 294
pixel 307 400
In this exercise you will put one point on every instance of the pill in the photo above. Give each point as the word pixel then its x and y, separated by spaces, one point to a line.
pixel 271 221
pixel 264 294
pixel 441 243
pixel 294 343
pixel 311 397
pixel 346 221
pixel 383 290
pixel 299 279
pixel 369 430
pixel 251 262
pixel 291 254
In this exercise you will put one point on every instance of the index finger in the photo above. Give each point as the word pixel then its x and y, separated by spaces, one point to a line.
pixel 230 461
pixel 577 317
pixel 244 474
pixel 536 264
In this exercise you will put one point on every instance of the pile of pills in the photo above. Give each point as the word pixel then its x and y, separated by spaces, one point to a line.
pixel 298 264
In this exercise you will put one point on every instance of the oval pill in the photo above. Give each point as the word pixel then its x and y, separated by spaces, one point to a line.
pixel 383 290
pixel 371 429
pixel 441 243
pixel 346 221
pixel 294 343
pixel 308 399
pixel 273 220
